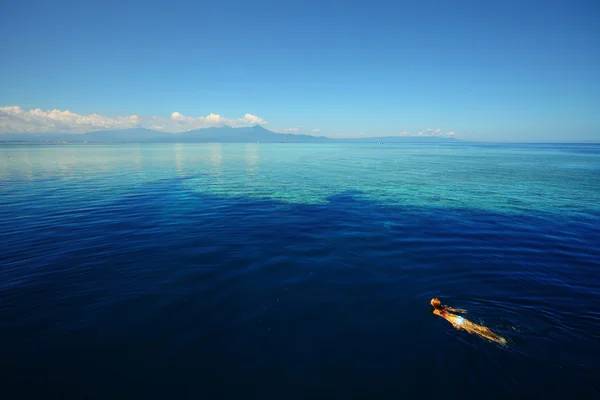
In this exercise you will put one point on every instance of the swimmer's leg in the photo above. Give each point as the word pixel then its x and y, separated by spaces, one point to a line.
pixel 489 335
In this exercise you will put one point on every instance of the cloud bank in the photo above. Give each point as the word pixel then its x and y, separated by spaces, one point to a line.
pixel 430 132
pixel 14 119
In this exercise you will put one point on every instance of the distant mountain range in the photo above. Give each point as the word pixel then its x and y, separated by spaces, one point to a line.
pixel 206 135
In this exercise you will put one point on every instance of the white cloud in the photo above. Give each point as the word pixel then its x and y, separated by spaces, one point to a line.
pixel 180 123
pixel 177 116
pixel 291 130
pixel 253 119
pixel 16 119
pixel 430 132
pixel 316 130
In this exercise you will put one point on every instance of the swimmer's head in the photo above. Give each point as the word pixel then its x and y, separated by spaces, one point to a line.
pixel 436 303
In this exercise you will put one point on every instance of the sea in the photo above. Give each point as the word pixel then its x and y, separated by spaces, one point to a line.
pixel 298 270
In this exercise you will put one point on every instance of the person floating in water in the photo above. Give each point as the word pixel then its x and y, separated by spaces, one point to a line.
pixel 461 323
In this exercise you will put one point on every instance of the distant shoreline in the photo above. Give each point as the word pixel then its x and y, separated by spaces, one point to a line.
pixel 332 142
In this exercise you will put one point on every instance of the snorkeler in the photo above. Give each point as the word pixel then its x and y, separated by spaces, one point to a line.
pixel 461 323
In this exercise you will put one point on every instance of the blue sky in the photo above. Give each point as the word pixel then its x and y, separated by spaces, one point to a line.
pixel 494 71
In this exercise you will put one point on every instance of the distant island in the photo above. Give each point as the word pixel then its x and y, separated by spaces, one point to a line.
pixel 206 135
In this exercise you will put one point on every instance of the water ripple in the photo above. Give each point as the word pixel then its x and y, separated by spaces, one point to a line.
pixel 286 264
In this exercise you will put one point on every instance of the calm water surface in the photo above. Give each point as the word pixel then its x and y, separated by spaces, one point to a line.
pixel 298 271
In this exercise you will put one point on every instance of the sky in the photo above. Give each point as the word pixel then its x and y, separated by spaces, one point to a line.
pixel 478 70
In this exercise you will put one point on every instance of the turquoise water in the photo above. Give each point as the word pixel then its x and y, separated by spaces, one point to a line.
pixel 298 270
pixel 509 179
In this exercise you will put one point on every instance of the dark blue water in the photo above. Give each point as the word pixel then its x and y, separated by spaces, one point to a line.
pixel 161 288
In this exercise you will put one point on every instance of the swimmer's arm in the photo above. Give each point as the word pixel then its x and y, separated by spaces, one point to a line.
pixel 458 310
